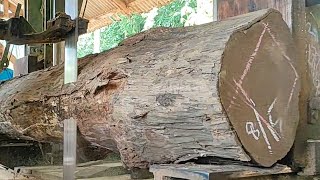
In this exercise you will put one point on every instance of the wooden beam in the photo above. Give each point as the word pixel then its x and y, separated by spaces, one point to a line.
pixel 12 8
pixel 121 5
pixel 6 8
pixel 299 33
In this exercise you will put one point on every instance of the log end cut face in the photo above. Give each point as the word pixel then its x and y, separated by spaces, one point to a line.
pixel 259 88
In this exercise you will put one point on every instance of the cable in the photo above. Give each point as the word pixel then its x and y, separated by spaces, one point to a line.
pixel 84 9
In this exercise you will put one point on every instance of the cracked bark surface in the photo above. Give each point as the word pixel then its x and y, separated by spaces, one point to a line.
pixel 162 95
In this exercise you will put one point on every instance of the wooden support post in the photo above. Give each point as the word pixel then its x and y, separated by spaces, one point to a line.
pixel 299 35
pixel 12 8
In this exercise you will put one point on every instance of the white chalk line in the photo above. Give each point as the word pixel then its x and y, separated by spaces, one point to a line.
pixel 289 62
pixel 251 104
pixel 270 115
pixel 252 130
pixel 248 65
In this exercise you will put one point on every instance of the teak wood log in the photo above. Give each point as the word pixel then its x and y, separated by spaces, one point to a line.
pixel 227 89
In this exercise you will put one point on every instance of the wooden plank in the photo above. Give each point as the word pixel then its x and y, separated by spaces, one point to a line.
pixel 121 5
pixel 121 177
pixel 103 169
pixel 12 8
pixel 313 159
pixel 230 8
pixel 6 8
pixel 206 172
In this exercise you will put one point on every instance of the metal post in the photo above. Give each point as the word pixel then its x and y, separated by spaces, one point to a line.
pixel 71 65
pixel 69 149
pixel 215 10
pixel 55 45
pixel 70 76
pixel 44 4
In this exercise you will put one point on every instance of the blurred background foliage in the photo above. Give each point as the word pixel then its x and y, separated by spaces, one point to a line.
pixel 174 14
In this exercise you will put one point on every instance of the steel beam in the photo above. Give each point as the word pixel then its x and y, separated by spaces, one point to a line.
pixel 71 61
pixel 70 76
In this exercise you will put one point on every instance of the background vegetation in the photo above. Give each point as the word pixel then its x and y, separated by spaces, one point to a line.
pixel 174 14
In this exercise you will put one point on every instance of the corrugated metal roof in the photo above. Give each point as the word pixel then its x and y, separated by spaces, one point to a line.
pixel 100 12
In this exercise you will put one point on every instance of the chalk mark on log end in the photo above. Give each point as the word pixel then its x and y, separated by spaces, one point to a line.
pixel 288 60
pixel 248 65
pixel 250 103
pixel 259 118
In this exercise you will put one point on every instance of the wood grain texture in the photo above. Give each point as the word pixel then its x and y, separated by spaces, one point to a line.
pixel 201 172
pixel 230 8
pixel 313 49
pixel 299 35
pixel 259 89
pixel 155 98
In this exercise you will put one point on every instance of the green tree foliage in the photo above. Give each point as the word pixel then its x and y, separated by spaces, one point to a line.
pixel 85 45
pixel 168 16
pixel 112 35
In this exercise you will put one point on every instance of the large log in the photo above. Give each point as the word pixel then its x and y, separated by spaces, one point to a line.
pixel 227 89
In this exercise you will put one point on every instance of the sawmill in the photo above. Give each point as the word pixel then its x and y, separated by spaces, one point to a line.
pixel 194 90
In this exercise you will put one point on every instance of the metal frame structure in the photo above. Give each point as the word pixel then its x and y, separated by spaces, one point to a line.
pixel 70 76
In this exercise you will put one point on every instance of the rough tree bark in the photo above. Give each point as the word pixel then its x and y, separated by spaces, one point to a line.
pixel 167 95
